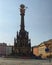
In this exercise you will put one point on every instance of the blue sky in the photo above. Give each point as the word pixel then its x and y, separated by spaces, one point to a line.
pixel 38 20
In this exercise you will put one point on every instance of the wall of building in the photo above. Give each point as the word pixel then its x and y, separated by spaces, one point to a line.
pixel 5 50
pixel 35 50
pixel 2 49
pixel 39 50
pixel 8 50
pixel 42 48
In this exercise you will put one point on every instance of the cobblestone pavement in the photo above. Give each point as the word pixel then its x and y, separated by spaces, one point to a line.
pixel 6 61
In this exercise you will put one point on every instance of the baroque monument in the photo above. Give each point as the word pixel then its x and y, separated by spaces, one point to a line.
pixel 22 43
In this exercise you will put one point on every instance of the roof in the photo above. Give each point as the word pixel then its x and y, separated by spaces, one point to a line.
pixel 3 44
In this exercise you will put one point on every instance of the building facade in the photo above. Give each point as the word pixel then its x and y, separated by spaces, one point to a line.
pixel 35 50
pixel 3 49
pixel 42 49
pixel 9 50
pixel 22 43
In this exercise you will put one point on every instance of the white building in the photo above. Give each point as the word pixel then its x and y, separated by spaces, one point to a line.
pixel 8 50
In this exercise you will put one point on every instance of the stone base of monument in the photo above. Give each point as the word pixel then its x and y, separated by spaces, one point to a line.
pixel 23 56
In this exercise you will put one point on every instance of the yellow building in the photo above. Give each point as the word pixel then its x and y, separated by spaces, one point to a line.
pixel 42 51
pixel 43 46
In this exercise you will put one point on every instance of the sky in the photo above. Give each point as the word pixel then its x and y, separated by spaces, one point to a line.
pixel 38 20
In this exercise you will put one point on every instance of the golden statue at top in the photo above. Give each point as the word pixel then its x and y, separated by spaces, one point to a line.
pixel 22 9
